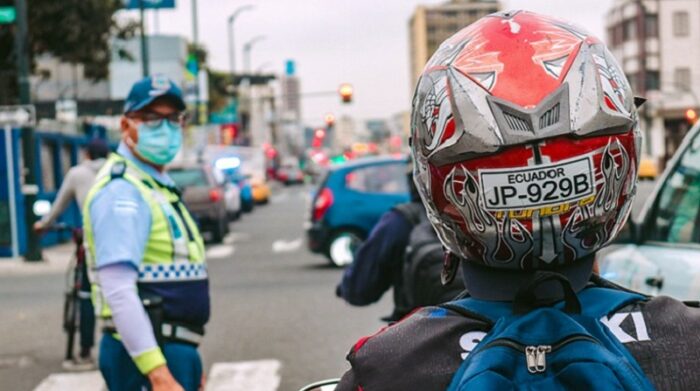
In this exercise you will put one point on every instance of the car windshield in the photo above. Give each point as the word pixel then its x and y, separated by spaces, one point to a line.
pixel 188 177
pixel 677 212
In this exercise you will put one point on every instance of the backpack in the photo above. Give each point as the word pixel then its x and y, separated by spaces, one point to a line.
pixel 423 263
pixel 558 347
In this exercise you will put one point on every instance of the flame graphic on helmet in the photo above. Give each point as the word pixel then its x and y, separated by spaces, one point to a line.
pixel 436 113
pixel 612 83
pixel 501 242
pixel 592 225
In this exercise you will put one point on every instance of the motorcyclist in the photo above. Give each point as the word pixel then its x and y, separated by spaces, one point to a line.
pixel 526 143
pixel 378 261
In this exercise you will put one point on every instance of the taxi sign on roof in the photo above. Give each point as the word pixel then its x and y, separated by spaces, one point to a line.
pixel 20 115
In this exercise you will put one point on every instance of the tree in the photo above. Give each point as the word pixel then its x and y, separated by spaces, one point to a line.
pixel 73 31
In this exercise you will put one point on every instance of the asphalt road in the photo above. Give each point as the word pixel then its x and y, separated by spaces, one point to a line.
pixel 271 300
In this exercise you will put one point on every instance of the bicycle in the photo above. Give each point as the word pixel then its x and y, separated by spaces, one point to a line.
pixel 73 293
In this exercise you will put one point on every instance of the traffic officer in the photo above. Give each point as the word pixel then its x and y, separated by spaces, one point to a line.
pixel 146 255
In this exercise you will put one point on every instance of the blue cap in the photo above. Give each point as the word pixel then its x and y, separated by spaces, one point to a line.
pixel 146 90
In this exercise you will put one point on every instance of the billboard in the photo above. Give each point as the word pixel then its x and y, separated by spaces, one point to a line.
pixel 149 4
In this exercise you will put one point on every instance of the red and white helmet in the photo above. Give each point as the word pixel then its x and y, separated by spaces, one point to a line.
pixel 525 140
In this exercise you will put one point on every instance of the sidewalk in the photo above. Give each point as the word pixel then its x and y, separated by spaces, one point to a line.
pixel 56 259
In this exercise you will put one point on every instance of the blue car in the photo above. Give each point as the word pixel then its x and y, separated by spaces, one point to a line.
pixel 349 202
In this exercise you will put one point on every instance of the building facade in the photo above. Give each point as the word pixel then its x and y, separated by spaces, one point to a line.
pixel 431 25
pixel 656 43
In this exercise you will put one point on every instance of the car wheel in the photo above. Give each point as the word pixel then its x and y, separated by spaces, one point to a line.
pixel 219 231
pixel 342 247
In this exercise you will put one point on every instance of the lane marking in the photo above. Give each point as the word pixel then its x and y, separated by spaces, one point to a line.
pixel 84 381
pixel 281 197
pixel 236 237
pixel 286 246
pixel 262 375
pixel 220 251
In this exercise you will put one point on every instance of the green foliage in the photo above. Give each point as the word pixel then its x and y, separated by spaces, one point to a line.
pixel 220 89
pixel 74 31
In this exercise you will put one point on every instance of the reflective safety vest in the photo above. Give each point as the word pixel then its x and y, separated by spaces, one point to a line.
pixel 175 250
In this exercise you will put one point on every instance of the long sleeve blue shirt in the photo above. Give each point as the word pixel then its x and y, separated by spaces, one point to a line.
pixel 378 262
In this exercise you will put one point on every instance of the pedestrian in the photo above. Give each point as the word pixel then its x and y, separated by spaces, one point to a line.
pixel 526 140
pixel 377 264
pixel 145 251
pixel 76 184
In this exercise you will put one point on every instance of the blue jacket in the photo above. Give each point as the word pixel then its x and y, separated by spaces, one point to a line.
pixel 378 262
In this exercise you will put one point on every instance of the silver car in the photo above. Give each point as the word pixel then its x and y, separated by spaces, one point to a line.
pixel 660 252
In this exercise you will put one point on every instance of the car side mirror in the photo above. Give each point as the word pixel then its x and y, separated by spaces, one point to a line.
pixel 323 385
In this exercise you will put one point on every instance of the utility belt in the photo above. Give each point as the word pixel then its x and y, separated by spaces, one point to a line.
pixel 164 331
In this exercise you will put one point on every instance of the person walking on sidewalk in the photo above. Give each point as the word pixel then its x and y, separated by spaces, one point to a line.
pixel 145 252
pixel 75 186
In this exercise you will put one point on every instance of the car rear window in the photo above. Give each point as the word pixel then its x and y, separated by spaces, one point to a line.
pixel 188 177
pixel 385 178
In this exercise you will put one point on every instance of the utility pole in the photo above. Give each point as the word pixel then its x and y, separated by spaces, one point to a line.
pixel 231 45
pixel 144 41
pixel 29 188
pixel 21 49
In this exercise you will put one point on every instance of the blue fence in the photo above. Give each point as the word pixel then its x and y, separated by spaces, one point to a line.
pixel 55 154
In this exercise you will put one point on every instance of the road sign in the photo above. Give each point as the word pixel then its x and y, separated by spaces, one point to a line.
pixel 20 115
pixel 7 15
pixel 149 4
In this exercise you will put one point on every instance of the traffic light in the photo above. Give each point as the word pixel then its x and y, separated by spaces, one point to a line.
pixel 691 115
pixel 330 119
pixel 345 92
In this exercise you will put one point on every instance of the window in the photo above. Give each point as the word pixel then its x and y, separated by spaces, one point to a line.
pixel 653 81
pixel 681 79
pixel 681 24
pixel 188 177
pixel 48 179
pixel 386 178
pixel 677 217
pixel 629 30
pixel 651 26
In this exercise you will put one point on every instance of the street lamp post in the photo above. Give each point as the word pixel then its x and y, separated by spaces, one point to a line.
pixel 144 41
pixel 195 44
pixel 246 51
pixel 231 47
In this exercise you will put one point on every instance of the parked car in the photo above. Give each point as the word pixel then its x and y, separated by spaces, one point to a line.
pixel 660 252
pixel 290 174
pixel 232 195
pixel 648 169
pixel 204 196
pixel 349 202
pixel 261 189
pixel 230 166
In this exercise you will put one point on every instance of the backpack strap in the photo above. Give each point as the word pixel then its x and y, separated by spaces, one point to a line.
pixel 413 212
pixel 596 302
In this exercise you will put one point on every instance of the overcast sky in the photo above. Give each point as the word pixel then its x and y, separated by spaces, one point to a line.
pixel 362 42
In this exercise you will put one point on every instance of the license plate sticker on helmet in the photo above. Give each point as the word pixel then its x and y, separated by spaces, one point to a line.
pixel 542 185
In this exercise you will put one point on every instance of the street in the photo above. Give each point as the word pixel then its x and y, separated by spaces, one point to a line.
pixel 273 303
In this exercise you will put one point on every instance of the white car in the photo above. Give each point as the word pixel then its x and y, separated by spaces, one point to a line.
pixel 232 195
pixel 661 251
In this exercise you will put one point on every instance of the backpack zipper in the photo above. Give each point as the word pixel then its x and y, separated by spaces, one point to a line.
pixel 536 355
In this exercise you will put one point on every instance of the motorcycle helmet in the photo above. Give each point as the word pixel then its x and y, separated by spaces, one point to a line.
pixel 525 143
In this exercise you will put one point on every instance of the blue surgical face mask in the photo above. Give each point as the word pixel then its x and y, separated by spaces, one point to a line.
pixel 159 144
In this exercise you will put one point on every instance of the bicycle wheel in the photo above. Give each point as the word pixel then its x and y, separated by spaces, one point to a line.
pixel 71 306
